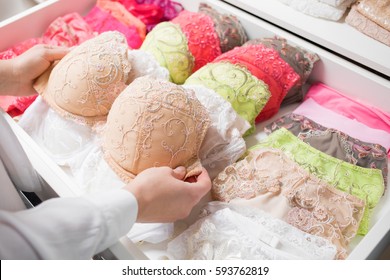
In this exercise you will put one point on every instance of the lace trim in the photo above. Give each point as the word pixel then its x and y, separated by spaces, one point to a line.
pixel 227 234
pixel 365 183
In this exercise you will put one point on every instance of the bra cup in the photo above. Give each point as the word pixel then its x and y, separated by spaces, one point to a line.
pixel 154 123
pixel 85 83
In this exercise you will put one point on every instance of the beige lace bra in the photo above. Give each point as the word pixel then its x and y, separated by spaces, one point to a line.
pixel 154 123
pixel 85 83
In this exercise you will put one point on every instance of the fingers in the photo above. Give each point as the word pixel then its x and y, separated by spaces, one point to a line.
pixel 179 172
pixel 54 53
pixel 203 183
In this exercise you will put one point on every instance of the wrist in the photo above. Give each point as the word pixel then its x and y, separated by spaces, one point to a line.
pixel 8 79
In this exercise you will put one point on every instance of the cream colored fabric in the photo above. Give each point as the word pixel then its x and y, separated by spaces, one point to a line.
pixel 269 180
pixel 85 83
pixel 154 123
pixel 223 143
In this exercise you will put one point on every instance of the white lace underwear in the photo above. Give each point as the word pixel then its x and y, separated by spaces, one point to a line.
pixel 247 233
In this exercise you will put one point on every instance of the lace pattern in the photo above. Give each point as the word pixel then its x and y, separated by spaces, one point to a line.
pixel 229 29
pixel 265 64
pixel 367 26
pixel 301 60
pixel 247 94
pixel 244 233
pixel 223 143
pixel 365 183
pixel 169 46
pixel 203 41
pixel 311 205
pixel 85 83
pixel 376 10
pixel 334 142
pixel 154 123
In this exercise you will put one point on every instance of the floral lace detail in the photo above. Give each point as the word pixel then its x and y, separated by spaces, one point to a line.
pixel 343 147
pixel 334 214
pixel 246 93
pixel 365 183
pixel 300 59
pixel 203 41
pixel 367 26
pixel 244 233
pixel 169 45
pixel 85 83
pixel 154 123
pixel 223 143
pixel 230 31
pixel 376 10
pixel 268 66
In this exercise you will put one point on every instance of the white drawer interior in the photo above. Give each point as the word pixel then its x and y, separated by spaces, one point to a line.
pixel 331 70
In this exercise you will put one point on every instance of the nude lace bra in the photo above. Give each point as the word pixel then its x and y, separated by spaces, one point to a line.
pixel 154 123
pixel 85 83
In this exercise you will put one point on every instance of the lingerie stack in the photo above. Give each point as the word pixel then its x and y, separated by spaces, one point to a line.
pixel 173 87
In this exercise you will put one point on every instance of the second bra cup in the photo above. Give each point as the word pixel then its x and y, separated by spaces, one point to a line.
pixel 154 123
pixel 85 83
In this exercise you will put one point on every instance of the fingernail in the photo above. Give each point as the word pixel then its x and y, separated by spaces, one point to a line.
pixel 180 169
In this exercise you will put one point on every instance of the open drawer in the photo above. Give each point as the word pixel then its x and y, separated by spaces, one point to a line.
pixel 332 70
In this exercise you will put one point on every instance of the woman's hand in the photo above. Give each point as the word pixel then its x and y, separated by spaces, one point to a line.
pixel 163 196
pixel 18 74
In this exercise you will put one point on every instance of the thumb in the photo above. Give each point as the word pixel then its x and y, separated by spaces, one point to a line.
pixel 179 172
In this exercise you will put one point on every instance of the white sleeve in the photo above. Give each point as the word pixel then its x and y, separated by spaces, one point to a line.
pixel 67 228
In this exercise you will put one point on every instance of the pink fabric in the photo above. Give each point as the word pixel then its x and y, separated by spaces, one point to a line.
pixel 328 118
pixel 349 107
pixel 69 30
pixel 20 48
pixel 101 21
pixel 265 64
pixel 170 9
pixel 203 40
pixel 150 14
pixel 14 105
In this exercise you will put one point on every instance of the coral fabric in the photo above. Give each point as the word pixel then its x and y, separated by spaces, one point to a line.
pixel 300 59
pixel 154 123
pixel 203 41
pixel 265 64
pixel 101 21
pixel 69 30
pixel 118 11
pixel 349 107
